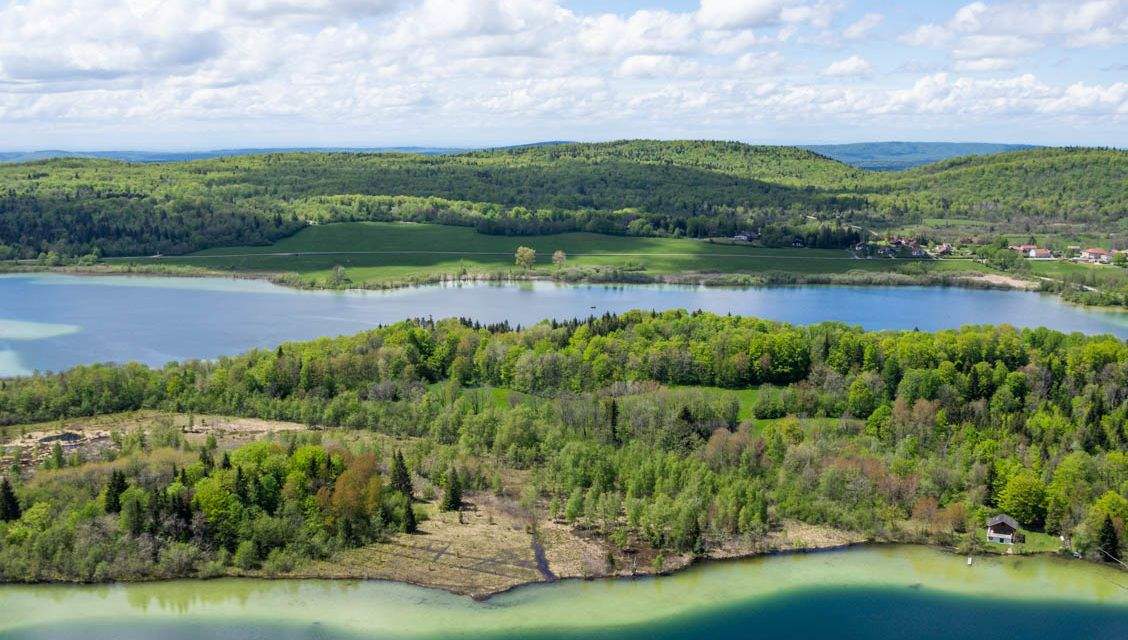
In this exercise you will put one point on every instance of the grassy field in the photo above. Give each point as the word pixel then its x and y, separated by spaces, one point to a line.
pixel 373 252
pixel 1036 542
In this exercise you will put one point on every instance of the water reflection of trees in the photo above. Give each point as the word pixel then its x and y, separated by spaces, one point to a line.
pixel 182 596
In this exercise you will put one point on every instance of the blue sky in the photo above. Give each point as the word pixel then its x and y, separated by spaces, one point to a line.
pixel 193 74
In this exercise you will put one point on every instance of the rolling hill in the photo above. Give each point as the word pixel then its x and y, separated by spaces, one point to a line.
pixel 73 206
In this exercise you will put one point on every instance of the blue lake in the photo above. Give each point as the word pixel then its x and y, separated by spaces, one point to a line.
pixel 49 322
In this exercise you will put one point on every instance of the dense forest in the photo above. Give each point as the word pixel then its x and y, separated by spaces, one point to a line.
pixel 76 207
pixel 623 422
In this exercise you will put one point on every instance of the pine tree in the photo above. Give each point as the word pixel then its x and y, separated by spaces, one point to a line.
pixel 989 483
pixel 409 523
pixel 206 459
pixel 9 505
pixel 452 491
pixel 157 504
pixel 401 478
pixel 225 462
pixel 241 490
pixel 114 489
pixel 613 418
pixel 1109 541
pixel 133 513
pixel 57 461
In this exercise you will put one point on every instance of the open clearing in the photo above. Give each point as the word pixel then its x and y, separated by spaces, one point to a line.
pixel 374 252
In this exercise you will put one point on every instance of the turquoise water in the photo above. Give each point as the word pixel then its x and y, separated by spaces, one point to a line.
pixel 51 322
pixel 876 592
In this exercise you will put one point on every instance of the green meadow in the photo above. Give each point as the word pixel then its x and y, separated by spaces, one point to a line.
pixel 375 252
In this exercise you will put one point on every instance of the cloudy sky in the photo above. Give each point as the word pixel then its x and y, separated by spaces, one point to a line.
pixel 183 74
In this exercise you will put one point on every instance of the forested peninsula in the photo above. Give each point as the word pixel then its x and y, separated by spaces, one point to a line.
pixel 653 436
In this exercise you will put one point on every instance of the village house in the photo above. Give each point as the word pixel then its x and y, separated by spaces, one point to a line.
pixel 1096 254
pixel 1003 528
pixel 1024 248
pixel 1040 254
pixel 944 249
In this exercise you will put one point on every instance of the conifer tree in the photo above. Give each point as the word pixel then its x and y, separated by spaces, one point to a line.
pixel 401 478
pixel 409 523
pixel 1109 541
pixel 207 460
pixel 613 419
pixel 989 483
pixel 241 491
pixel 114 489
pixel 9 505
pixel 452 491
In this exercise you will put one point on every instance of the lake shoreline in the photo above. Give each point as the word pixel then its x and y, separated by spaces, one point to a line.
pixel 589 275
pixel 971 280
pixel 485 596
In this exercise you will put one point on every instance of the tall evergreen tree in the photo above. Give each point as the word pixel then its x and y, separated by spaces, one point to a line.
pixel 410 525
pixel 207 460
pixel 157 505
pixel 613 419
pixel 1109 541
pixel 452 491
pixel 9 505
pixel 989 485
pixel 401 478
pixel 241 490
pixel 114 489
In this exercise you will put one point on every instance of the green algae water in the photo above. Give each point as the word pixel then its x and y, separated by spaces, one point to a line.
pixel 871 592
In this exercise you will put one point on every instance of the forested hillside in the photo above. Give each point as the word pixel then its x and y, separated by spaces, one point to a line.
pixel 683 188
pixel 622 427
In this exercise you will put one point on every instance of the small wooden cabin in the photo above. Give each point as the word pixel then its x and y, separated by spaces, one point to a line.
pixel 1003 528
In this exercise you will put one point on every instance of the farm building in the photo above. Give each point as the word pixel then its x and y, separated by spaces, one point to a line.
pixel 1096 255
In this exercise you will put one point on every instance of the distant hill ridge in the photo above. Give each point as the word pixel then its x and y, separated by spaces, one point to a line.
pixel 877 156
pixel 895 156
pixel 185 156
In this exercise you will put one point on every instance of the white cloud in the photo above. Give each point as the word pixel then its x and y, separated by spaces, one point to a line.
pixel 986 46
pixel 927 35
pixel 985 64
pixel 505 66
pixel 738 14
pixel 1035 24
pixel 855 65
pixel 862 26
pixel 760 64
pixel 641 32
pixel 656 66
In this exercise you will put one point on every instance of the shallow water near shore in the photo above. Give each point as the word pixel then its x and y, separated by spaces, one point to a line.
pixel 865 592
pixel 49 322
